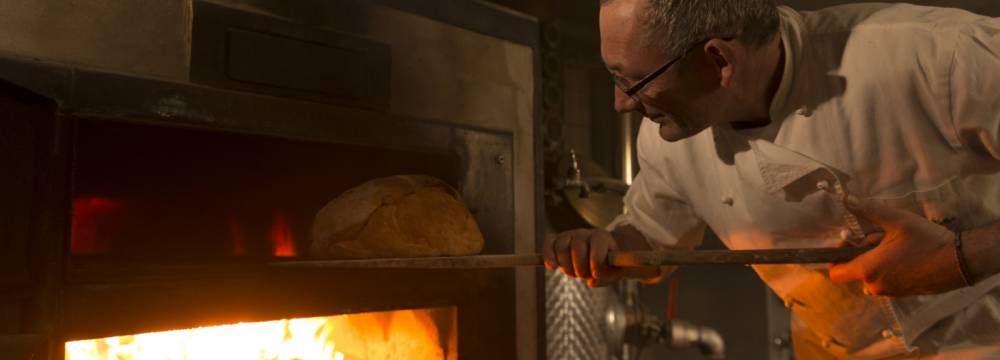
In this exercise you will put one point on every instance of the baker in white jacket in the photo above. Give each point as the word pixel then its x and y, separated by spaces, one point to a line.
pixel 871 123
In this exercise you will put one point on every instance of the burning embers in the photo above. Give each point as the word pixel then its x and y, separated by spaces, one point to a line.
pixel 100 221
pixel 89 214
pixel 403 334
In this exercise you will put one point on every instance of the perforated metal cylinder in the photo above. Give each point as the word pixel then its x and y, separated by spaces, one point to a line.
pixel 574 319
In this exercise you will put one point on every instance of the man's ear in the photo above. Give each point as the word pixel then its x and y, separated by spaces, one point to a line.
pixel 721 55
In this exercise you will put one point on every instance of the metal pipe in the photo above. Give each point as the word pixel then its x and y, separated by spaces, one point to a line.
pixel 627 128
pixel 711 343
pixel 685 335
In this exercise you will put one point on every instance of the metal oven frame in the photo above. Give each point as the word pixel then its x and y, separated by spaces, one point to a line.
pixel 45 300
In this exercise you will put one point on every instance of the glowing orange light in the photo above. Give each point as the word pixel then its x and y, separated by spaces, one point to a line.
pixel 91 214
pixel 239 239
pixel 404 334
pixel 281 237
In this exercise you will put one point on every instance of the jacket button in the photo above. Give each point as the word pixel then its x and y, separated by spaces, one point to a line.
pixel 728 201
pixel 845 234
pixel 888 333
pixel 803 111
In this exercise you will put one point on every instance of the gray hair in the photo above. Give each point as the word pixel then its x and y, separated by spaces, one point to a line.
pixel 677 24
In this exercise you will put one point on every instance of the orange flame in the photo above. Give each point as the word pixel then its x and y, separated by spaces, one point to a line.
pixel 91 214
pixel 281 237
pixel 239 239
pixel 404 334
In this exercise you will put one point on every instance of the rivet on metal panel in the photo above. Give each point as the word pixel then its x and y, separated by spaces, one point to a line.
pixel 780 342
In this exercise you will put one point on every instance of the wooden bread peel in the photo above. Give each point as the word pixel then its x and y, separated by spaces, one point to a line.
pixel 615 258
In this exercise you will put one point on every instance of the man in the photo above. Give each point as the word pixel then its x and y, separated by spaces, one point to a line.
pixel 871 123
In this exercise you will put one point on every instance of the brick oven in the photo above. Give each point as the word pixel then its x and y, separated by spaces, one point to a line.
pixel 152 180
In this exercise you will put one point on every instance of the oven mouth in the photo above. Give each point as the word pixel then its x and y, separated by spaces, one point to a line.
pixel 174 196
pixel 132 194
pixel 419 334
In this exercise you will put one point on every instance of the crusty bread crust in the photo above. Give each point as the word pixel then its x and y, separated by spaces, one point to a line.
pixel 397 216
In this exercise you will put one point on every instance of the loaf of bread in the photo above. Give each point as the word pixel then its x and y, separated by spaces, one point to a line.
pixel 397 216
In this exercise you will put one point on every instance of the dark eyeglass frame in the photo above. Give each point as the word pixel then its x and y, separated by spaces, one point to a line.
pixel 631 91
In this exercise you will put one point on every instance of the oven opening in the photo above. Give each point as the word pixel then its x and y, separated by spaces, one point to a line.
pixel 417 334
pixel 157 195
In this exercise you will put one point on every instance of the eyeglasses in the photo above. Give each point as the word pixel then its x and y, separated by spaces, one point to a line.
pixel 633 90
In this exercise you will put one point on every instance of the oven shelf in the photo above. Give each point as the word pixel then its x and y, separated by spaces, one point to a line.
pixel 112 273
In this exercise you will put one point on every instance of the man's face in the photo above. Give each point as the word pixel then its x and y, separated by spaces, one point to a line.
pixel 684 100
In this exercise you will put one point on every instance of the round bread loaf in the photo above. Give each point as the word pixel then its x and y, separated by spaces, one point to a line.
pixel 397 216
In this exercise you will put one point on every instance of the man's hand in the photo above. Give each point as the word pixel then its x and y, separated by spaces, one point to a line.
pixel 914 255
pixel 583 254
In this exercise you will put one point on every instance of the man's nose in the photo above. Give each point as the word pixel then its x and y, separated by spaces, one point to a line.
pixel 625 103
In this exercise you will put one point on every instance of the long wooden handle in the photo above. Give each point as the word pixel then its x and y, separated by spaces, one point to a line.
pixel 447 262
pixel 742 257
pixel 615 258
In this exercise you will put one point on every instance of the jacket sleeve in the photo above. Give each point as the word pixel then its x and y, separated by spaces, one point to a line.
pixel 975 89
pixel 651 204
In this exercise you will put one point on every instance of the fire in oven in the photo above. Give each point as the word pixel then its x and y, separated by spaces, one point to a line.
pixel 147 197
pixel 410 334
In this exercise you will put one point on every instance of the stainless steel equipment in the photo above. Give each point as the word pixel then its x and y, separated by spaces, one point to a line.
pixel 575 315
pixel 629 327
pixel 608 323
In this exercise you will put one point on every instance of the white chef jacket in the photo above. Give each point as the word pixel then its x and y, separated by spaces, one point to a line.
pixel 897 103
